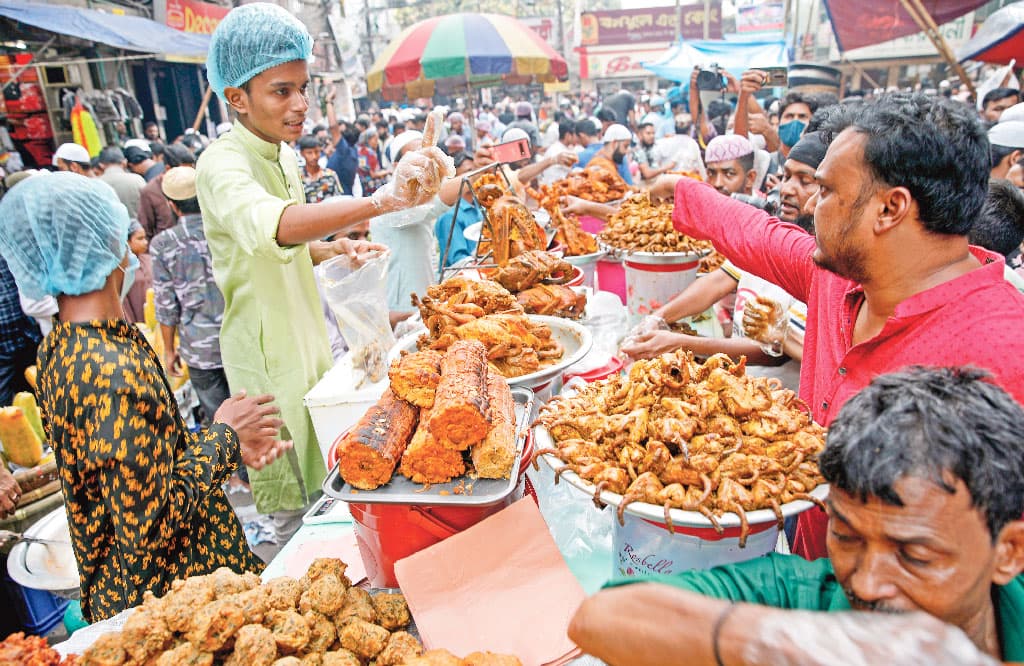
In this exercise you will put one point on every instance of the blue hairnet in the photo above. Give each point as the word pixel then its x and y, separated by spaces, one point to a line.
pixel 251 39
pixel 62 234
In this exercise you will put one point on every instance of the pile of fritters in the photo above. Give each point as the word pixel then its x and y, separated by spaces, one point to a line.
pixel 641 226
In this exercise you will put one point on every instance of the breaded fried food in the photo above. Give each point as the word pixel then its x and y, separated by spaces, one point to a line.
pixel 493 457
pixel 392 611
pixel 358 605
pixel 153 604
pixel 340 658
pixel 369 453
pixel 145 634
pixel 226 582
pixel 215 625
pixel 313 659
pixel 490 659
pixel 182 603
pixel 428 461
pixel 364 639
pixel 185 654
pixel 401 646
pixel 254 646
pixel 254 604
pixel 288 661
pixel 291 632
pixel 459 416
pixel 108 650
pixel 283 593
pixel 322 566
pixel 322 633
pixel 434 658
pixel 414 377
pixel 325 595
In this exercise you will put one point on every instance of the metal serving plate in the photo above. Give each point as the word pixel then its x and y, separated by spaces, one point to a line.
pixel 46 566
pixel 542 440
pixel 401 490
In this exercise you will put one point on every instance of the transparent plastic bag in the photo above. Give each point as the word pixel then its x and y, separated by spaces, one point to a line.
pixel 358 298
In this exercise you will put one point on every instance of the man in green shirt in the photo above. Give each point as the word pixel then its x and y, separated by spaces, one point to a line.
pixel 925 508
pixel 264 238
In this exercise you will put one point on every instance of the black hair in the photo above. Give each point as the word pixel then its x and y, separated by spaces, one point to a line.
pixel 308 141
pixel 111 155
pixel 747 162
pixel 643 125
pixel 998 94
pixel 1000 227
pixel 718 108
pixel 586 127
pixel 935 147
pixel 998 154
pixel 605 115
pixel 319 127
pixel 156 147
pixel 188 206
pixel 382 124
pixel 175 155
pixel 565 128
pixel 937 424
pixel 149 123
pixel 793 97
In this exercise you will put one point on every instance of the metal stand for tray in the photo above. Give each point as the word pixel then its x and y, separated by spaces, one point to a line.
pixel 477 261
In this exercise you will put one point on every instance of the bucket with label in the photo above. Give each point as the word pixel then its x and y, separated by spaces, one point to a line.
pixel 654 278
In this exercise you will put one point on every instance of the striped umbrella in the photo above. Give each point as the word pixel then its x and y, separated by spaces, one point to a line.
pixel 448 52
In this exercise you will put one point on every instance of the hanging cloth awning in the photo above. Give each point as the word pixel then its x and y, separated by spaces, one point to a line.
pixel 132 33
pixel 735 56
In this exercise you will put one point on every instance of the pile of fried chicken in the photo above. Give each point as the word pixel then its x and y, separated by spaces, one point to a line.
pixel 699 437
pixel 643 226
pixel 568 231
pixel 232 619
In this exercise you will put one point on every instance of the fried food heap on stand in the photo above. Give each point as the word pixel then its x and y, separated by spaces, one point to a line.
pixel 511 230
pixel 232 619
pixel 593 184
pixel 461 309
pixel 567 228
pixel 32 651
pixel 709 263
pixel 529 268
pixel 698 437
pixel 641 226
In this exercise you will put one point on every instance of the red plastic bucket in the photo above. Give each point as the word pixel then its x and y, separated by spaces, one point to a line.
pixel 612 367
pixel 386 533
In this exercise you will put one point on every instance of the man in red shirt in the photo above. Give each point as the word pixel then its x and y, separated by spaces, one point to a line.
pixel 889 278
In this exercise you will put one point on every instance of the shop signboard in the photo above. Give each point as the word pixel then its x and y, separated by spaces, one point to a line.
pixel 956 32
pixel 654 24
pixel 545 26
pixel 768 17
pixel 194 16
pixel 617 64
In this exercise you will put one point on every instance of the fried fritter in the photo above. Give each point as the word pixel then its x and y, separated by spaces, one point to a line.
pixel 401 646
pixel 226 582
pixel 322 566
pixel 108 650
pixel 291 632
pixel 254 646
pixel 182 603
pixel 322 633
pixel 288 661
pixel 313 659
pixel 364 639
pixel 325 595
pixel 392 611
pixel 491 659
pixel 340 658
pixel 283 593
pixel 145 634
pixel 254 603
pixel 358 604
pixel 215 625
pixel 185 654
pixel 434 658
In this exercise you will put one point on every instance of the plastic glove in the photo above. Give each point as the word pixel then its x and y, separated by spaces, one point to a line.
pixel 417 179
pixel 764 320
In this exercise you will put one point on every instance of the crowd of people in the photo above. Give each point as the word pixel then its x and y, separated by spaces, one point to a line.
pixel 886 229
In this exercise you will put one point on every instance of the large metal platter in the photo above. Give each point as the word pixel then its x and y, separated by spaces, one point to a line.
pixel 653 258
pixel 543 440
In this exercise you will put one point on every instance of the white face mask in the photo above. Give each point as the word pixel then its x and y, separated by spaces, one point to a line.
pixel 129 274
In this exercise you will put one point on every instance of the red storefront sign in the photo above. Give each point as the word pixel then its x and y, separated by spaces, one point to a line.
pixel 194 16
pixel 655 24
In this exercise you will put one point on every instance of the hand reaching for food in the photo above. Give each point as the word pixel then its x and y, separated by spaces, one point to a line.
pixel 418 175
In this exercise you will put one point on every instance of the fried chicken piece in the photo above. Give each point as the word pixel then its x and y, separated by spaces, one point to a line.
pixel 490 659
pixel 529 268
pixel 325 565
pixel 325 595
pixel 364 639
pixel 392 611
pixel 322 633
pixel 145 634
pixel 556 300
pixel 434 658
pixel 358 605
pixel 215 625
pixel 290 630
pixel 283 593
pixel 108 650
pixel 414 377
pixel 185 654
pixel 340 658
pixel 27 650
pixel 401 646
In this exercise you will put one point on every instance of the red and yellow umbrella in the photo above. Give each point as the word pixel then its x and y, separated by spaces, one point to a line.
pixel 447 52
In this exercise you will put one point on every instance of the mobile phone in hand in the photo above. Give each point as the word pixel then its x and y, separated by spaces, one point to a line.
pixel 511 151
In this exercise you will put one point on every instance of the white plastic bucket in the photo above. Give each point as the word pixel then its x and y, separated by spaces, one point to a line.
pixel 653 279
pixel 587 263
pixel 644 547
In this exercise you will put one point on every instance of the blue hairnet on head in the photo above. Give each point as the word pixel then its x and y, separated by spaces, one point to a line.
pixel 63 234
pixel 251 39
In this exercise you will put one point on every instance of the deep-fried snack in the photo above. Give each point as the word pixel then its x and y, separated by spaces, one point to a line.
pixel 215 624
pixel 567 227
pixel 108 650
pixel 226 582
pixel 325 565
pixel 340 658
pixel 358 605
pixel 401 646
pixel 437 657
pixel 322 633
pixel 428 461
pixel 493 457
pixel 415 376
pixel 515 345
pixel 325 595
pixel 529 268
pixel 459 416
pixel 490 659
pixel 254 604
pixel 145 634
pixel 555 300
pixel 183 600
pixel 188 654
pixel 510 230
pixel 392 611
pixel 288 661
pixel 369 452
pixel 28 650
pixel 283 593
pixel 290 630
pixel 313 659
pixel 364 639
pixel 642 226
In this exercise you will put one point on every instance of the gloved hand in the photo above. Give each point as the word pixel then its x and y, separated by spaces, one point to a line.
pixel 417 179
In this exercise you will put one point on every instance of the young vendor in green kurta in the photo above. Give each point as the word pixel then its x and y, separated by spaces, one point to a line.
pixel 924 516
pixel 264 239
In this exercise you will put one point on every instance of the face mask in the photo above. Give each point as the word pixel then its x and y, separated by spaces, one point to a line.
pixel 789 133
pixel 129 274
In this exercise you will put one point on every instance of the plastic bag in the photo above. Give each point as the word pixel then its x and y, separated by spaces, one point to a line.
pixel 358 298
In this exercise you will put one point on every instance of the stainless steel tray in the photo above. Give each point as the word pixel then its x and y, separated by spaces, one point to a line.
pixel 401 490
